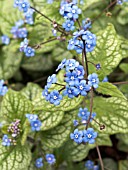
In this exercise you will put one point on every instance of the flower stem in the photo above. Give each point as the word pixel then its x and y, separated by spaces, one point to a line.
pixel 100 158
pixel 118 83
pixel 86 61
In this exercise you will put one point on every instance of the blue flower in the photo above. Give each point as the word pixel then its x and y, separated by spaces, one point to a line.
pixel 71 44
pixel 62 64
pixel 71 92
pixel 119 2
pixel 96 167
pixel 51 80
pixel 39 162
pixel 16 3
pixel 77 136
pixel 68 25
pixel 3 88
pixel 89 165
pixel 5 39
pixel 22 33
pixel 31 117
pixel 19 23
pixel 50 158
pixel 71 64
pixel 105 79
pixel 29 16
pixel 73 12
pixel 24 44
pixel 86 24
pixel 35 125
pixel 46 94
pixel 93 80
pixel 6 141
pixel 80 71
pixel 83 87
pixel 98 66
pixel 55 97
pixel 75 122
pixel 89 136
pixel 84 114
pixel 79 46
pixel 29 52
pixel 15 32
pixel 54 32
pixel 24 5
pixel 86 118
pixel 72 78
pixel 78 34
pixel 50 1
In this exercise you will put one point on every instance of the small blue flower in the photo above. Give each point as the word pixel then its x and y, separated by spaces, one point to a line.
pixel 22 33
pixel 35 125
pixel 89 136
pixel 46 94
pixel 80 71
pixel 71 44
pixel 83 87
pixel 29 16
pixel 78 46
pixel 77 136
pixel 61 65
pixel 119 2
pixel 50 158
pixel 86 118
pixel 89 165
pixel 68 25
pixel 55 97
pixel 86 24
pixel 84 114
pixel 54 32
pixel 15 32
pixel 31 117
pixel 93 80
pixel 71 92
pixel 105 79
pixel 29 52
pixel 51 80
pixel 98 66
pixel 16 3
pixel 6 141
pixel 24 5
pixel 72 78
pixel 96 167
pixel 3 88
pixel 50 1
pixel 39 162
pixel 5 39
pixel 73 12
pixel 24 44
pixel 71 64
pixel 75 123
pixel 19 23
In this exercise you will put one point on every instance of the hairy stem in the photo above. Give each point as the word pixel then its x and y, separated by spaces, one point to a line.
pixel 109 6
pixel 91 106
pixel 41 14
pixel 100 158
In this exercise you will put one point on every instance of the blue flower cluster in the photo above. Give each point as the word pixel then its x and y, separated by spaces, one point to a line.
pixel 90 165
pixel 3 88
pixel 34 122
pixel 70 12
pixel 5 39
pixel 24 6
pixel 82 39
pixel 29 51
pixel 50 158
pixel 19 32
pixel 75 83
pixel 84 136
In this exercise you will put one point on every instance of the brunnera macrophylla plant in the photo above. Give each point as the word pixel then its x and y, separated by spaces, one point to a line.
pixel 69 113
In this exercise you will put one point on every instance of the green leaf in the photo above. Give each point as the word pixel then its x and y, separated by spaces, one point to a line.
pixel 108 51
pixel 15 106
pixel 113 113
pixel 50 119
pixel 10 60
pixel 110 164
pixel 123 138
pixel 15 157
pixel 109 89
pixel 31 91
pixel 55 137
pixel 122 146
pixel 123 165
pixel 40 62
pixel 124 67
